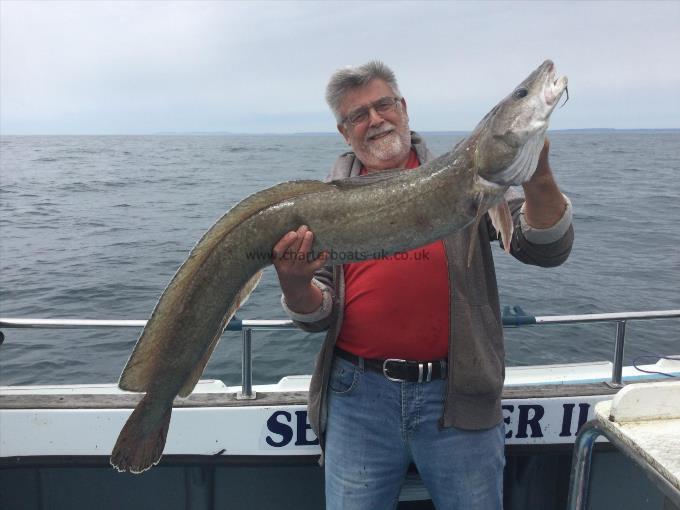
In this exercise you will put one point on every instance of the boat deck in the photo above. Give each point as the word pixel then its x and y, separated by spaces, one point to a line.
pixel 278 398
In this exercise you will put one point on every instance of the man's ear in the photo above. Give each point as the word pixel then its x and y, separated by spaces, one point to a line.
pixel 403 105
pixel 343 131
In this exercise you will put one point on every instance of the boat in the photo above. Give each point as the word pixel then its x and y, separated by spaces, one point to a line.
pixel 251 446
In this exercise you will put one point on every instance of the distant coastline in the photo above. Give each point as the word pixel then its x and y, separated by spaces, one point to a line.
pixel 424 132
pixel 328 133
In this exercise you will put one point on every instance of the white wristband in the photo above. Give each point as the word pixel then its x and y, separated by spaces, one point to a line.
pixel 550 234
pixel 322 312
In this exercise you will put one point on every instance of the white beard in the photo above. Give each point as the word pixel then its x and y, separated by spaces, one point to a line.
pixel 395 145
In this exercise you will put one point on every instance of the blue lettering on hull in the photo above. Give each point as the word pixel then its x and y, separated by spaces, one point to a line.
pixel 541 422
pixel 282 430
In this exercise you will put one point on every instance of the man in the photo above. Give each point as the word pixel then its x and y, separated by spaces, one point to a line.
pixel 375 413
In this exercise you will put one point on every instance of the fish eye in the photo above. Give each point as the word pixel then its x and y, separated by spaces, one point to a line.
pixel 520 93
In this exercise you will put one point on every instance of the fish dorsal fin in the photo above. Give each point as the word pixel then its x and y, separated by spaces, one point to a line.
pixel 240 300
pixel 365 180
pixel 139 370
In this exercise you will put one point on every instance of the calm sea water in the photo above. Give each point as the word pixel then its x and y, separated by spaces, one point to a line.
pixel 94 227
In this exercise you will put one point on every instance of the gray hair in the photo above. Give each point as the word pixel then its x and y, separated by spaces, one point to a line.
pixel 350 78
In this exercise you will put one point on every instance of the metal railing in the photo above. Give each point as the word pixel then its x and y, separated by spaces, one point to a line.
pixel 580 470
pixel 512 317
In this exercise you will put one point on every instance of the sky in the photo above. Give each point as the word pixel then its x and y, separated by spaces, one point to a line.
pixel 96 67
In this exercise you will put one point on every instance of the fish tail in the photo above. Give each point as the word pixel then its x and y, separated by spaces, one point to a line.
pixel 141 441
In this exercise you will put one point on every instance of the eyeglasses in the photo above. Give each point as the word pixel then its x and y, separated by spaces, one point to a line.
pixel 381 106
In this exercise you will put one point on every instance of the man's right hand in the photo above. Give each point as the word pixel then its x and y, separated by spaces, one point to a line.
pixel 292 259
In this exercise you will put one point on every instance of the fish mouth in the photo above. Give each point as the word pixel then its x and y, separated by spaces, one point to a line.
pixel 554 86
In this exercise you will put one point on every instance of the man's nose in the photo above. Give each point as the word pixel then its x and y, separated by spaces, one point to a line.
pixel 374 117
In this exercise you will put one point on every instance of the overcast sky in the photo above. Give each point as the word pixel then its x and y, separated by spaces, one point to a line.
pixel 145 67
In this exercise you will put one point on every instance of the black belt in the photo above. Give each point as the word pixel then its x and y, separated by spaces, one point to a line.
pixel 400 370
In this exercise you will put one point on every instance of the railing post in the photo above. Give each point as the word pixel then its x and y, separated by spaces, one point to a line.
pixel 580 466
pixel 246 392
pixel 618 353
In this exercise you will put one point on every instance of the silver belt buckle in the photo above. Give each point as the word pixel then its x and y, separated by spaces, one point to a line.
pixel 385 369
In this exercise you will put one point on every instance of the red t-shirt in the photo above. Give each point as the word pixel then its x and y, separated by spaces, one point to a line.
pixel 398 307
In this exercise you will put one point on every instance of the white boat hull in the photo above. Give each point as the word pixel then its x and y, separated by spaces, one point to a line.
pixel 543 406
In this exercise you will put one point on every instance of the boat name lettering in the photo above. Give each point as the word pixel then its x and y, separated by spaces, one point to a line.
pixel 533 422
pixel 527 418
pixel 282 430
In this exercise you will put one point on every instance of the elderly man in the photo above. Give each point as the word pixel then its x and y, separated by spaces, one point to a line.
pixel 412 366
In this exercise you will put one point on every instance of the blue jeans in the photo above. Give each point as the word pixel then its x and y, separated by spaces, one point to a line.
pixel 377 427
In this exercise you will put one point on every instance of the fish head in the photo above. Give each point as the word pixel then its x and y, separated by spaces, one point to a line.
pixel 510 138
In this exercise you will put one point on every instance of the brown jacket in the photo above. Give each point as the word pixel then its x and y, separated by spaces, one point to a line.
pixel 476 367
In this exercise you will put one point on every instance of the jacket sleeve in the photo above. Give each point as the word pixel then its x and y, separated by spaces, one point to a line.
pixel 322 318
pixel 548 247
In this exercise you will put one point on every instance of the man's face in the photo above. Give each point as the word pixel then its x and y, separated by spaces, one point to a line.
pixel 382 141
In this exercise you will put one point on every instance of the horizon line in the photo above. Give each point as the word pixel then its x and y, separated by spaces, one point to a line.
pixel 305 133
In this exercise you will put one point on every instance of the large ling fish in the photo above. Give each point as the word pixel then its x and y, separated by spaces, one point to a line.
pixel 376 214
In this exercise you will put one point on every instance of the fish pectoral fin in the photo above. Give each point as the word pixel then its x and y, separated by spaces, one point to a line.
pixel 240 299
pixel 501 219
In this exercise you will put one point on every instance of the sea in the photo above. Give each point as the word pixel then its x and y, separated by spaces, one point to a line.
pixel 94 227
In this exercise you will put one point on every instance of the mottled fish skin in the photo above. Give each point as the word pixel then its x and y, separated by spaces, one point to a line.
pixel 379 213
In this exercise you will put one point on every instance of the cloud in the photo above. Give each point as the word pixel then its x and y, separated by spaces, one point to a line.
pixel 140 67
